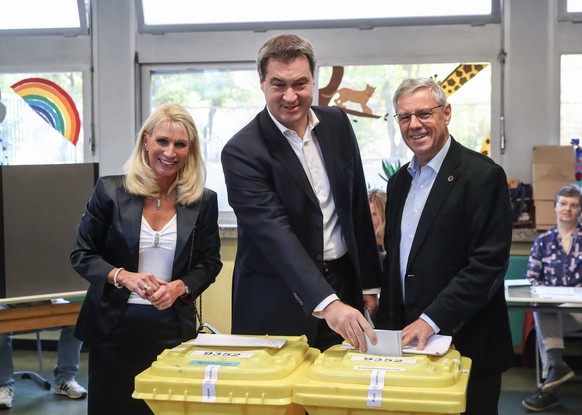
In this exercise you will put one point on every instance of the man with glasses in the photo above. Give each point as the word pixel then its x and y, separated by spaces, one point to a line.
pixel 556 261
pixel 448 235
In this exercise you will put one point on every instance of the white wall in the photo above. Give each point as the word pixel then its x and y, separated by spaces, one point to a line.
pixel 533 41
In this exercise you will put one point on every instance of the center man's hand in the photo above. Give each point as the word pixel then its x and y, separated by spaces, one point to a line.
pixel 349 323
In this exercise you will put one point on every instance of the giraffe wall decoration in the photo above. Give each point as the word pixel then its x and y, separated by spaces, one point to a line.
pixel 460 76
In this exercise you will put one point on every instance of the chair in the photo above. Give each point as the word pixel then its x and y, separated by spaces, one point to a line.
pixel 37 377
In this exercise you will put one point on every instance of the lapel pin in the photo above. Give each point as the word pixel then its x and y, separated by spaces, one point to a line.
pixel 451 178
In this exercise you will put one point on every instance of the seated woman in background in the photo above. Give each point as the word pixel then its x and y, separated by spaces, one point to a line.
pixel 556 261
pixel 148 244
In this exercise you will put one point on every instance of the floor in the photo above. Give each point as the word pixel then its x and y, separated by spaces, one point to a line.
pixel 32 399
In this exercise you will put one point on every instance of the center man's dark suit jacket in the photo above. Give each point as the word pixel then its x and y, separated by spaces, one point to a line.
pixel 108 237
pixel 277 281
pixel 458 258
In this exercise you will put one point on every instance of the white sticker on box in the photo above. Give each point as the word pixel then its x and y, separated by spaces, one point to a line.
pixel 375 389
pixel 385 369
pixel 209 383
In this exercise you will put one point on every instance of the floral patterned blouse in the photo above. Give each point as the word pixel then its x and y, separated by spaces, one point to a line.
pixel 549 264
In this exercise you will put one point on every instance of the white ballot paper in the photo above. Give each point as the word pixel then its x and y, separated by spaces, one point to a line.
pixel 557 293
pixel 436 344
pixel 389 343
pixel 229 340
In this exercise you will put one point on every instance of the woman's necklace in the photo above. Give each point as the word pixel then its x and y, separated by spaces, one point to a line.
pixel 159 201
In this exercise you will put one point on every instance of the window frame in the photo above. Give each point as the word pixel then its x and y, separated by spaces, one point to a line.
pixel 563 139
pixel 83 28
pixel 226 218
pixel 565 16
pixel 363 24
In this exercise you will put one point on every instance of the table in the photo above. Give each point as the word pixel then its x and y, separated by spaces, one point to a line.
pixel 39 312
pixel 519 296
pixel 48 313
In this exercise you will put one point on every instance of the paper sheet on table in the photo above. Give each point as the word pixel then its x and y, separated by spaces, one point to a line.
pixel 557 292
pixel 229 340
pixel 437 345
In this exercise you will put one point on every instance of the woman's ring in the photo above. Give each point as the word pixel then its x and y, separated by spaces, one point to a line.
pixel 146 288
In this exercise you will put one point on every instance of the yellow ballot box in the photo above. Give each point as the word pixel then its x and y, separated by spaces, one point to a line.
pixel 247 375
pixel 347 382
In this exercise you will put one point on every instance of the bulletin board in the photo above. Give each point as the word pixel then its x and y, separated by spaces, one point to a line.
pixel 40 209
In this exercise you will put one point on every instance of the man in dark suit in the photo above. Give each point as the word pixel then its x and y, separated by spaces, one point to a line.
pixel 295 181
pixel 448 235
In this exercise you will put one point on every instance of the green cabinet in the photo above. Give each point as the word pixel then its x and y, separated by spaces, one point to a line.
pixel 516 270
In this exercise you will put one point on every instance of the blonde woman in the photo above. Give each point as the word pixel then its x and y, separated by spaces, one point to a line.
pixel 148 245
pixel 377 200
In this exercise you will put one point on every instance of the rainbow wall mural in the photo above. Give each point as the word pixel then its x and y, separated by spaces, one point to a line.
pixel 53 104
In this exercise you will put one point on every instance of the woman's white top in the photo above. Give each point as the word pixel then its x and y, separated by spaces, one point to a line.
pixel 156 253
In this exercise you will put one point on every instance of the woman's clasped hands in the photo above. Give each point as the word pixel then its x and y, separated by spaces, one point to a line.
pixel 161 294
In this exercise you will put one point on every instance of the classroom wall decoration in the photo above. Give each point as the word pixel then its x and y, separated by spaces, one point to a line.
pixel 53 104
pixel 460 76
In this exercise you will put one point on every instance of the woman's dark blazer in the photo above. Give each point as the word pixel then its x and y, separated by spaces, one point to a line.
pixel 108 237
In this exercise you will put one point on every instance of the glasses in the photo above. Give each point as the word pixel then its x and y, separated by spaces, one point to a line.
pixel 564 204
pixel 421 115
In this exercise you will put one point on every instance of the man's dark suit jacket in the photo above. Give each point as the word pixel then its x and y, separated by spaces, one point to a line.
pixel 458 258
pixel 108 237
pixel 277 280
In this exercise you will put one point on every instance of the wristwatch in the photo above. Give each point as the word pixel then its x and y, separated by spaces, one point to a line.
pixel 187 290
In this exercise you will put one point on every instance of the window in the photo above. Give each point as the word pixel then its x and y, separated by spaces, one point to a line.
pixel 185 15
pixel 42 123
pixel 223 100
pixel 367 97
pixel 66 17
pixel 570 10
pixel 570 99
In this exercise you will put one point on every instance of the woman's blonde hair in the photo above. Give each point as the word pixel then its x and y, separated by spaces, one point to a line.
pixel 140 178
pixel 377 198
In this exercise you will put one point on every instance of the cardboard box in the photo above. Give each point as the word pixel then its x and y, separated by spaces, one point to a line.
pixel 552 168
pixel 545 214
pixel 554 155
pixel 545 190
pixel 553 171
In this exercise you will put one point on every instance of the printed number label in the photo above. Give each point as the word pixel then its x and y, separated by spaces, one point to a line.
pixel 211 353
